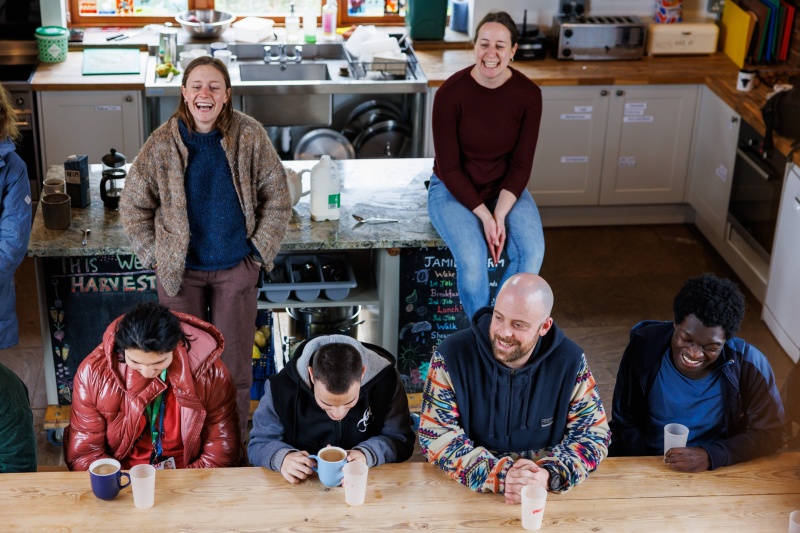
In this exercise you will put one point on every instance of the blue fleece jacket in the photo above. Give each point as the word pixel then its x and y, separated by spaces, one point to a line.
pixel 752 408
pixel 15 232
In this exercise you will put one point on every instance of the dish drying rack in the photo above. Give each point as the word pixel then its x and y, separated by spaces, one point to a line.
pixel 385 70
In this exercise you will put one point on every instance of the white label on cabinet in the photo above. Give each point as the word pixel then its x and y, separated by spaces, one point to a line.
pixel 722 173
pixel 108 108
pixel 646 118
pixel 626 161
pixel 576 116
pixel 575 159
pixel 583 109
pixel 634 112
pixel 635 105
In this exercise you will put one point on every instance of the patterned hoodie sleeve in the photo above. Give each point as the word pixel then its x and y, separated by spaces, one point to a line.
pixel 586 437
pixel 444 442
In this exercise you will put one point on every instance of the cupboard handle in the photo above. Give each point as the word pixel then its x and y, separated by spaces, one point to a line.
pixel 797 201
pixel 603 93
pixel 734 120
pixel 129 98
pixel 620 93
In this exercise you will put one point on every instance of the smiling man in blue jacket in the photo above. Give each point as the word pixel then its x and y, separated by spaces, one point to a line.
pixel 694 371
pixel 511 401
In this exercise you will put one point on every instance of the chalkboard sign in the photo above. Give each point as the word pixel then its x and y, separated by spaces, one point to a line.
pixel 84 294
pixel 430 309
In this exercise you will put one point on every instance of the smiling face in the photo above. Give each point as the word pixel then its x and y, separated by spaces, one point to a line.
pixel 148 364
pixel 205 94
pixel 493 51
pixel 695 347
pixel 520 317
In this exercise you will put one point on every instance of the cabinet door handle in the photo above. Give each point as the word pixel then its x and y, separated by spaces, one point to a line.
pixel 620 93
pixel 734 120
pixel 797 201
pixel 603 93
pixel 129 98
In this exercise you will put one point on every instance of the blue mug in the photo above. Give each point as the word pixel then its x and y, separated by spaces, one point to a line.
pixel 106 478
pixel 330 461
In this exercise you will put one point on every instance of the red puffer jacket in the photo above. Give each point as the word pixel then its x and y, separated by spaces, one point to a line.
pixel 109 399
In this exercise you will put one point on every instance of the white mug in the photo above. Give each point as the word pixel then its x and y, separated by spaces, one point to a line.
pixel 199 52
pixel 746 80
pixel 185 59
pixel 225 56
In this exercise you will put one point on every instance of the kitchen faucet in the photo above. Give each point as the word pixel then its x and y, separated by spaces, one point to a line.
pixel 282 58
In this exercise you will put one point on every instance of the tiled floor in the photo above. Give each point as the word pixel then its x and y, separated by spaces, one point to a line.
pixel 605 280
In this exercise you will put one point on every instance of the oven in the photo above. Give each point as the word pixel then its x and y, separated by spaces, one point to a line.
pixel 756 191
pixel 18 58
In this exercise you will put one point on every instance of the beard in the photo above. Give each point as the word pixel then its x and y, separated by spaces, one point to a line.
pixel 517 350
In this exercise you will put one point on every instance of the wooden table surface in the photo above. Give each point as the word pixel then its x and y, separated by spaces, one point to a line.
pixel 624 494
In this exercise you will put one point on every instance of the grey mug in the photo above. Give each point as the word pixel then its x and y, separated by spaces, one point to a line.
pixel 56 210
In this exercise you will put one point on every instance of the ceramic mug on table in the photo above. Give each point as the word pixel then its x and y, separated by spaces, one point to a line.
pixel 51 185
pixel 225 56
pixel 330 461
pixel 106 478
pixel 56 210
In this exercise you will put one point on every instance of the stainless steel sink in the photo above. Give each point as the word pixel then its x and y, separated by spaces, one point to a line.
pixel 285 72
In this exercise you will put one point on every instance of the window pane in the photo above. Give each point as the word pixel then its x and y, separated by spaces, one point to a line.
pixel 132 7
pixel 375 8
pixel 267 7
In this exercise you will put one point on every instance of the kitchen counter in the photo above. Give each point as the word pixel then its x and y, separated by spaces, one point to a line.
pixel 68 76
pixel 365 192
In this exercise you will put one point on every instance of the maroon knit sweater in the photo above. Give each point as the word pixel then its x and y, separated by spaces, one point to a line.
pixel 485 138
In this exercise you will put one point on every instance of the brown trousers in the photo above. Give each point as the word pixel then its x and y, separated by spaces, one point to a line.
pixel 228 299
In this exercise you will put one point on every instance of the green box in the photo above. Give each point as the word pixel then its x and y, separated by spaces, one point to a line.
pixel 426 19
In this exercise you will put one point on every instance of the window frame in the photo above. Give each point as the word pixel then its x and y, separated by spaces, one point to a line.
pixel 76 19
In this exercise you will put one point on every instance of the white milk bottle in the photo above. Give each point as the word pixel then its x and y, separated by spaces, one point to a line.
pixel 325 187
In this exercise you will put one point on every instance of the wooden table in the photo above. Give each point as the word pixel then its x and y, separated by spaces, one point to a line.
pixel 624 494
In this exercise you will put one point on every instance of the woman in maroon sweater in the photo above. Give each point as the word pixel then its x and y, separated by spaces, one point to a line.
pixel 485 128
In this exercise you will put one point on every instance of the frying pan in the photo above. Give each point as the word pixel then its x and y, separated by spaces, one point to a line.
pixel 323 141
pixel 369 113
pixel 389 138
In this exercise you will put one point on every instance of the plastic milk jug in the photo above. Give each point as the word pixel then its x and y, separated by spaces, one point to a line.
pixel 325 189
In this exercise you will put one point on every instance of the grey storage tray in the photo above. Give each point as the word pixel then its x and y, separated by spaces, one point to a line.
pixel 330 274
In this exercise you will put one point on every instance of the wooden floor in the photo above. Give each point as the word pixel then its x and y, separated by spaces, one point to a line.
pixel 605 280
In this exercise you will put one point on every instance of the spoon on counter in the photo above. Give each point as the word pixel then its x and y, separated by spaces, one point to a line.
pixel 372 220
pixel 86 233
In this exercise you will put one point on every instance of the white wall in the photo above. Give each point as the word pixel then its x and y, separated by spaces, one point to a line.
pixel 541 12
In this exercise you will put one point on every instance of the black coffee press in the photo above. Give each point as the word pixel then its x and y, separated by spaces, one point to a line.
pixel 113 180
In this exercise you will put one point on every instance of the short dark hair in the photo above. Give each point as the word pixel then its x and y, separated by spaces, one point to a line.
pixel 501 17
pixel 337 366
pixel 149 327
pixel 714 301
pixel 225 118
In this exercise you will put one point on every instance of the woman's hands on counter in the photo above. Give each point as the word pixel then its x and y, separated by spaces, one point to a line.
pixel 494 225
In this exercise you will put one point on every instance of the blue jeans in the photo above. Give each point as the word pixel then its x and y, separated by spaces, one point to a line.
pixel 462 231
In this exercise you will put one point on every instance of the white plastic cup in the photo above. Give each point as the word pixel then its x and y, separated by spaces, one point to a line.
pixel 675 436
pixel 534 498
pixel 143 482
pixel 355 482
pixel 794 522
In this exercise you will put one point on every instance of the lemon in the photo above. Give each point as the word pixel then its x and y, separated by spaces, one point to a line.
pixel 260 339
pixel 266 331
pixel 256 352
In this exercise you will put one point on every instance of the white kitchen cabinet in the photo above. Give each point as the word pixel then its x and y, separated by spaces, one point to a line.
pixel 782 306
pixel 648 141
pixel 712 163
pixel 91 123
pixel 569 154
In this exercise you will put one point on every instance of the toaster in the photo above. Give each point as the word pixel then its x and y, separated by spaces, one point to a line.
pixel 599 37
pixel 682 38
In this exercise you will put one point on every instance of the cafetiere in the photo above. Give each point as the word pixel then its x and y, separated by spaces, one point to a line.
pixel 113 179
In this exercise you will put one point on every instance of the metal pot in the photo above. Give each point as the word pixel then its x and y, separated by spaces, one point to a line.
pixel 309 322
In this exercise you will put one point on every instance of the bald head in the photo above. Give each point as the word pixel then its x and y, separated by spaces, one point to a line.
pixel 521 316
pixel 529 293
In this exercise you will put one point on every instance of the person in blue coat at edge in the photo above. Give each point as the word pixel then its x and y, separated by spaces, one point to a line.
pixel 694 371
pixel 17 437
pixel 335 391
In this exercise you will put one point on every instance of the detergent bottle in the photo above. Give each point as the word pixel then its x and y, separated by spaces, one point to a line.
pixel 325 188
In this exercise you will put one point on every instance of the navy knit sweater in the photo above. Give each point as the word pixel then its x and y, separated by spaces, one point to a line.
pixel 218 238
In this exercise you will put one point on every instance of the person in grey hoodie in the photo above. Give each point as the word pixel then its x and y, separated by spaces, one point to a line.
pixel 336 391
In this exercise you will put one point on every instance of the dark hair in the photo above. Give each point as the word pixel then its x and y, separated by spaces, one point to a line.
pixel 225 117
pixel 8 117
pixel 715 302
pixel 501 17
pixel 149 327
pixel 337 366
